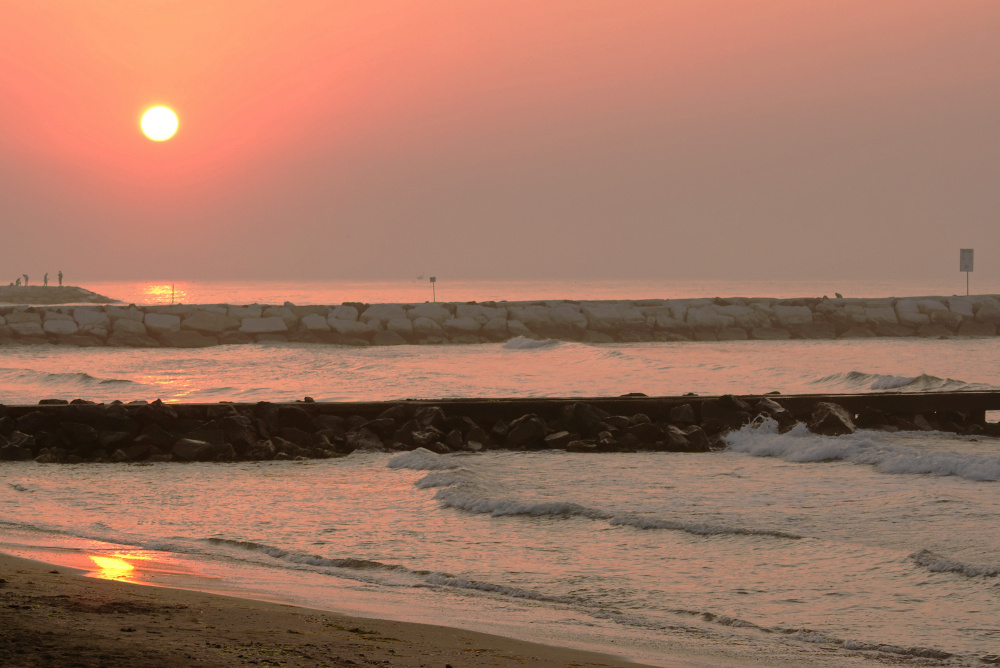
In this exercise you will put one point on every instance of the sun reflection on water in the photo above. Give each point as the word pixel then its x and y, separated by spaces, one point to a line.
pixel 163 293
pixel 115 566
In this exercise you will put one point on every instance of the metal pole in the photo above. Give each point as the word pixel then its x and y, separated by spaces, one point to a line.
pixel 966 284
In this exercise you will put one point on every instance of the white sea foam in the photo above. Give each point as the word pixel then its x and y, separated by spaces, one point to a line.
pixel 800 445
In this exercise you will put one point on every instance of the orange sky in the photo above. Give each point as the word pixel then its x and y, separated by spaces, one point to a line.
pixel 516 139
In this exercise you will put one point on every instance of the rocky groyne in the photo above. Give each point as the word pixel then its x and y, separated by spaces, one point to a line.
pixel 80 431
pixel 358 324
pixel 51 294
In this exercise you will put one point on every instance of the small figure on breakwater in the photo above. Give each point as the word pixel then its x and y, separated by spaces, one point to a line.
pixel 25 280
pixel 45 280
pixel 17 283
pixel 60 278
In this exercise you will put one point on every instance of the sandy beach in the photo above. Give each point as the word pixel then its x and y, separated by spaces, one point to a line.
pixel 56 616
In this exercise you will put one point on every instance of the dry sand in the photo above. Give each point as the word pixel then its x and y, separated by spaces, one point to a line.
pixel 55 616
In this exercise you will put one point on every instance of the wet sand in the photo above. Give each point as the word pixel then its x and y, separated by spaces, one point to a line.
pixel 56 616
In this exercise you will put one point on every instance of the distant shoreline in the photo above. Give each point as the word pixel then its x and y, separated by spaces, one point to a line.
pixel 51 294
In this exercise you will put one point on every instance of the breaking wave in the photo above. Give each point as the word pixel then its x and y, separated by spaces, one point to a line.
pixel 74 379
pixel 461 489
pixel 857 380
pixel 938 564
pixel 800 445
pixel 524 343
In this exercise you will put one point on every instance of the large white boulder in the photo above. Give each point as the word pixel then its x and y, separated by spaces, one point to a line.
pixel 496 329
pixel 908 313
pixel 157 323
pixel 128 326
pixel 269 325
pixel 26 328
pixel 613 317
pixel 929 306
pixel 382 313
pixel 116 312
pixel 962 306
pixel 342 312
pixel 479 313
pixel 352 328
pixel 435 312
pixel 53 326
pixel 16 317
pixel 99 331
pixel 283 312
pixel 402 326
pixel 206 322
pixel 988 311
pixel 251 311
pixel 535 317
pixel 314 322
pixel 56 315
pixel 461 326
pixel 881 315
pixel 568 317
pixel 91 317
pixel 424 327
pixel 792 315
pixel 706 317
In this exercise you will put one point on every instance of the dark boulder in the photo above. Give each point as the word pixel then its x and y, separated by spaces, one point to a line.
pixel 830 419
pixel 431 416
pixel 261 450
pixel 293 416
pixel 191 450
pixel 697 438
pixel 582 418
pixel 14 453
pixel 675 440
pixel 526 433
pixel 385 427
pixel 646 432
pixel 727 413
pixel 559 440
pixel 581 446
pixel 364 439
pixel 772 409
pixel 29 423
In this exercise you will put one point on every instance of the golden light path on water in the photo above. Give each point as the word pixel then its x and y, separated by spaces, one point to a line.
pixel 112 567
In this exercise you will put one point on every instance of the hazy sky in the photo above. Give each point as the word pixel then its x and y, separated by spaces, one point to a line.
pixel 515 139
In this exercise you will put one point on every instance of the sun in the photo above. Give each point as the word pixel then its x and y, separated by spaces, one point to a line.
pixel 159 123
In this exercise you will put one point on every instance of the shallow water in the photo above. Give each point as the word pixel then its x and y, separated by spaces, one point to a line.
pixel 524 368
pixel 783 539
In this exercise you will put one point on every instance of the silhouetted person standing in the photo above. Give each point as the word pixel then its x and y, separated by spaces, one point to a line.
pixel 60 278
pixel 25 280
pixel 45 280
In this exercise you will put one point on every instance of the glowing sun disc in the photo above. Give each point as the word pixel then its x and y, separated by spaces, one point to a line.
pixel 159 123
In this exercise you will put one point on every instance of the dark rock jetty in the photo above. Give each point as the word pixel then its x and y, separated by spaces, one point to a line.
pixel 56 431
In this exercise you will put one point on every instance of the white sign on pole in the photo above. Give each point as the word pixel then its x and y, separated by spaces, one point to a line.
pixel 965 259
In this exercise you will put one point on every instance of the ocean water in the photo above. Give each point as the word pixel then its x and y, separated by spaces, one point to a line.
pixel 419 290
pixel 784 549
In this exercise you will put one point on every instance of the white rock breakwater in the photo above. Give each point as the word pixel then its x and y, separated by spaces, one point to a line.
pixel 188 326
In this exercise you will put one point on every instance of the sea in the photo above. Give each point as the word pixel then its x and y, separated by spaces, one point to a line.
pixel 783 549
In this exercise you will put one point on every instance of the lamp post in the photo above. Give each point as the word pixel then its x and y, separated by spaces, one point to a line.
pixel 434 289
